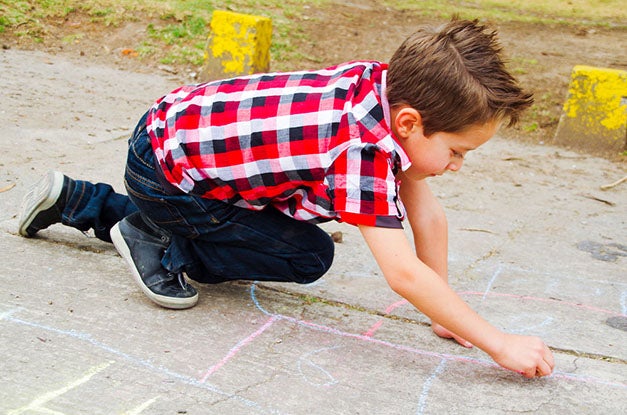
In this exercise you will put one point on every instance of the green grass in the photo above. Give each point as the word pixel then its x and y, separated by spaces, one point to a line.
pixel 580 12
pixel 177 28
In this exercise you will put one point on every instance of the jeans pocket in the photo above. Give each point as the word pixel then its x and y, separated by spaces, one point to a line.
pixel 150 199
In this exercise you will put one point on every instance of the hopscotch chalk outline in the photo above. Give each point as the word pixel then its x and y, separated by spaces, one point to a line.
pixel 367 337
pixel 305 358
pixel 426 387
pixel 444 357
pixel 422 352
pixel 190 381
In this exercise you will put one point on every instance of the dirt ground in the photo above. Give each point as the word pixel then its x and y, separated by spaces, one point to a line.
pixel 541 56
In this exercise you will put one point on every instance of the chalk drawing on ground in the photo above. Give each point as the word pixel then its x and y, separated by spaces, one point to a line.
pixel 311 372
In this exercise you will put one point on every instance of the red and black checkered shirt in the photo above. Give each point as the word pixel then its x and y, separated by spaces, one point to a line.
pixel 313 144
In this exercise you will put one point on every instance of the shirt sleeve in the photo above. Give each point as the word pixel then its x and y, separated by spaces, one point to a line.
pixel 364 189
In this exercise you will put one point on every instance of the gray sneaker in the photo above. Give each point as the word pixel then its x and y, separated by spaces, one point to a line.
pixel 44 202
pixel 143 247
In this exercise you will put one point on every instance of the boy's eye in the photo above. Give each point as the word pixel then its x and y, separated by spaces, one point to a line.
pixel 457 154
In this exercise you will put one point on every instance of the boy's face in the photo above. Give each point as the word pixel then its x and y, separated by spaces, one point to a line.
pixel 440 152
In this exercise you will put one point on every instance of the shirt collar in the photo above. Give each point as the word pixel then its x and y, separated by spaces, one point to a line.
pixel 384 99
pixel 405 162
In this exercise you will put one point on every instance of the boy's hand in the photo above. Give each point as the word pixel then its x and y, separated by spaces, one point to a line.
pixel 428 292
pixel 526 355
pixel 447 334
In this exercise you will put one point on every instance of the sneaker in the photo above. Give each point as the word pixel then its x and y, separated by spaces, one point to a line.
pixel 43 204
pixel 143 247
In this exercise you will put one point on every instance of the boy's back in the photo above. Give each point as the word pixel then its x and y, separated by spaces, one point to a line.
pixel 296 141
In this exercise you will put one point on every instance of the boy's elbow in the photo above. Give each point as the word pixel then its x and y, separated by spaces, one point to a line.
pixel 396 286
pixel 410 277
pixel 401 282
pixel 433 220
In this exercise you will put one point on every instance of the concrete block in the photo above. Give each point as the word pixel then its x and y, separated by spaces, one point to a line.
pixel 594 116
pixel 239 44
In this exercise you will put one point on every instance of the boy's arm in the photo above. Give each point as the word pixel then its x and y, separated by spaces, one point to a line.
pixel 421 286
pixel 430 230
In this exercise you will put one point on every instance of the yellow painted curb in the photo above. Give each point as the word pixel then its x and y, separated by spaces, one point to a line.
pixel 595 112
pixel 239 44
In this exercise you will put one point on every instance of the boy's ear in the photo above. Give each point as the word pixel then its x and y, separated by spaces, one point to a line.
pixel 406 121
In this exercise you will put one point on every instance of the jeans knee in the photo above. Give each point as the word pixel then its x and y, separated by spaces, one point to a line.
pixel 316 265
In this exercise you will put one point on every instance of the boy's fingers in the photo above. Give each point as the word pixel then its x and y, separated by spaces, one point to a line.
pixel 463 342
pixel 546 365
pixel 551 365
pixel 543 369
pixel 530 373
pixel 548 357
pixel 447 334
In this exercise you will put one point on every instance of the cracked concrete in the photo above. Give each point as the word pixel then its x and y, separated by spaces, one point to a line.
pixel 80 338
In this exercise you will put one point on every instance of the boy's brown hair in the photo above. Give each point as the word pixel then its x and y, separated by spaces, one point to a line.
pixel 455 77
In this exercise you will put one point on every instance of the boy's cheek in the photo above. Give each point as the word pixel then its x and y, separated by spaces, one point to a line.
pixel 421 169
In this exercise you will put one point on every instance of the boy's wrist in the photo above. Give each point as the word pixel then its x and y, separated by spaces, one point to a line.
pixel 494 343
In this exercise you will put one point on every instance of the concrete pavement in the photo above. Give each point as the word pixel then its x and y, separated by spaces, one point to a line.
pixel 535 247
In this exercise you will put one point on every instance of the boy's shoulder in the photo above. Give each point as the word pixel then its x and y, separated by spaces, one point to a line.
pixel 296 85
pixel 307 77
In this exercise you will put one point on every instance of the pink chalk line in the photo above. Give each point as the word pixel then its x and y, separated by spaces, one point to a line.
pixel 235 349
pixel 331 330
pixel 363 337
pixel 372 330
pixel 367 337
pixel 442 356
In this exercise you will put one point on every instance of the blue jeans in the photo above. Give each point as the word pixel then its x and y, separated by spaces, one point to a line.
pixel 210 240
pixel 96 206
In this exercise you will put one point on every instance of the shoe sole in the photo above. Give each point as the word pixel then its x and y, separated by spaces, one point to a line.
pixel 168 302
pixel 43 195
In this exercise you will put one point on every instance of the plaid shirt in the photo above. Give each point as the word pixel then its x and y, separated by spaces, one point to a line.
pixel 313 144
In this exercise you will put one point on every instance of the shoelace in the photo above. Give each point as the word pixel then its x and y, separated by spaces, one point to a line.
pixel 181 279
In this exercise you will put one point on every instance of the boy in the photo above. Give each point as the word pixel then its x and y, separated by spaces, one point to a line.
pixel 227 180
